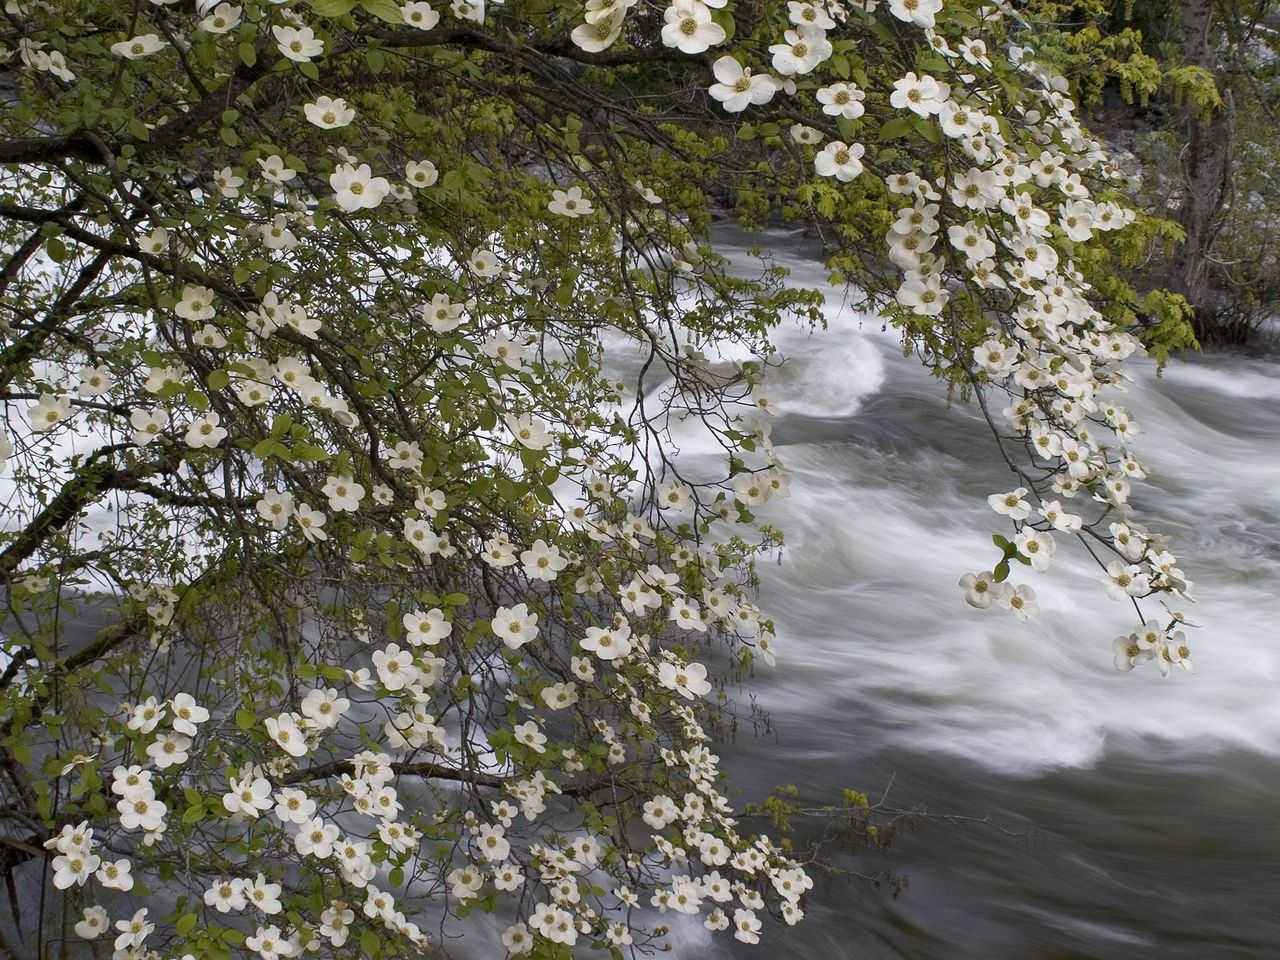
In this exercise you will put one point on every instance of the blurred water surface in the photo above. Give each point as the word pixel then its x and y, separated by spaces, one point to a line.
pixel 1139 817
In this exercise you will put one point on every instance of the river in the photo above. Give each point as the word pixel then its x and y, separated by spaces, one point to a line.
pixel 1130 816
pixel 1126 816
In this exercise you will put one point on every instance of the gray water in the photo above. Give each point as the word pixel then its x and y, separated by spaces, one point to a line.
pixel 1130 816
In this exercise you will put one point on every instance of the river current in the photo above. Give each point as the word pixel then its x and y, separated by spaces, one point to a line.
pixel 1128 816
pixel 1097 815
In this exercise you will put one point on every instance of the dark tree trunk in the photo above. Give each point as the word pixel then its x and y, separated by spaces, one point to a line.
pixel 1206 167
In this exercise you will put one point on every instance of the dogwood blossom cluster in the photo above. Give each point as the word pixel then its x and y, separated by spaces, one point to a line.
pixel 353 402
pixel 997 230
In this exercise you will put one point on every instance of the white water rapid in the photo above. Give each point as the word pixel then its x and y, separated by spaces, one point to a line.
pixel 1145 811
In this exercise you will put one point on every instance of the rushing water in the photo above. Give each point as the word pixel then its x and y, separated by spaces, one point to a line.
pixel 1131 816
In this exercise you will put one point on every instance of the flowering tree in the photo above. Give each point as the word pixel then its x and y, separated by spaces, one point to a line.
pixel 354 584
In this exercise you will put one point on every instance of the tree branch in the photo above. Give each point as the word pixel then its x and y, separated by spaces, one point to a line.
pixel 88 147
pixel 90 482
pixel 49 149
pixel 20 351
pixel 432 771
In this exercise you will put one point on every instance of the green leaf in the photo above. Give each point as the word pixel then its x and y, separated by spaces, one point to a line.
pixel 332 8
pixel 532 459
pixel 186 923
pixel 56 249
pixel 44 805
pixel 309 453
pixel 194 815
pixel 248 54
pixel 265 449
pixel 280 425
pixel 376 59
pixel 219 379
pixel 246 719
pixel 928 129
pixel 727 21
pixel 387 10
pixel 897 127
